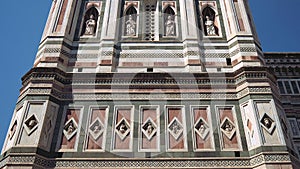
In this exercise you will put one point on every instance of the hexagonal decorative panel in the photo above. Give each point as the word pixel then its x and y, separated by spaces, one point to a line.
pixel 228 128
pixel 267 123
pixel 202 129
pixel 96 129
pixel 70 128
pixel 31 124
pixel 149 128
pixel 175 128
pixel 123 128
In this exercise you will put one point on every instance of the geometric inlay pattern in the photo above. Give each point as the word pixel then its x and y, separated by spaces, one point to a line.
pixel 175 128
pixel 228 128
pixel 202 128
pixel 96 129
pixel 123 128
pixel 31 124
pixel 268 123
pixel 149 128
pixel 70 128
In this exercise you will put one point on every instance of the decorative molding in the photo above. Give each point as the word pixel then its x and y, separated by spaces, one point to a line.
pixel 146 163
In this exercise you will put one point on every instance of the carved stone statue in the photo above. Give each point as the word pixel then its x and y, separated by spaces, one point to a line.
pixel 122 128
pixel 202 128
pixel 90 26
pixel 70 128
pixel 210 27
pixel 149 128
pixel 96 129
pixel 130 26
pixel 267 122
pixel 228 127
pixel 170 26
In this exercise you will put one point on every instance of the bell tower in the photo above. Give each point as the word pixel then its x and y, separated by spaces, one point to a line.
pixel 148 84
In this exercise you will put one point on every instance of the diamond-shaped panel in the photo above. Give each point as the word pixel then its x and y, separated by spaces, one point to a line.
pixel 202 128
pixel 149 128
pixel 268 123
pixel 175 128
pixel 70 128
pixel 123 128
pixel 228 128
pixel 31 124
pixel 96 129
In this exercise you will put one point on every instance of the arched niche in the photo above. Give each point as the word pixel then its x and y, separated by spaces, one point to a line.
pixel 169 21
pixel 130 21
pixel 90 22
pixel 210 23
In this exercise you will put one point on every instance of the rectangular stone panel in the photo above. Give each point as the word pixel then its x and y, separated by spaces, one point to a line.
pixel 96 129
pixel 149 134
pixel 202 129
pixel 70 128
pixel 123 128
pixel 229 131
pixel 175 128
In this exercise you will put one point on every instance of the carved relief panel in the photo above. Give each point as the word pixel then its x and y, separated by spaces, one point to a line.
pixel 123 128
pixel 48 126
pixel 250 125
pixel 70 129
pixel 229 130
pixel 13 130
pixel 267 121
pixel 203 139
pixel 149 133
pixel 32 122
pixel 176 128
pixel 96 129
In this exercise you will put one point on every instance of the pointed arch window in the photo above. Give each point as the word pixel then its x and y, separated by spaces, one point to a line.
pixel 130 26
pixel 169 21
pixel 209 22
pixel 90 22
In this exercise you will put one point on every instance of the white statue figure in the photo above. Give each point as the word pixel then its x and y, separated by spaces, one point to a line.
pixel 210 27
pixel 130 26
pixel 170 26
pixel 90 26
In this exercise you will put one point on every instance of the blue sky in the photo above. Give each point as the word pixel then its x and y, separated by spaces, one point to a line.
pixel 22 23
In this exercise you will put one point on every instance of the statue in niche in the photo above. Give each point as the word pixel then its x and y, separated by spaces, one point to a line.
pixel 90 26
pixel 170 26
pixel 210 27
pixel 130 26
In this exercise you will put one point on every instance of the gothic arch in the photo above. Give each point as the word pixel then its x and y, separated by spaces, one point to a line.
pixel 91 13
